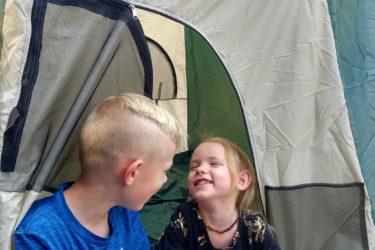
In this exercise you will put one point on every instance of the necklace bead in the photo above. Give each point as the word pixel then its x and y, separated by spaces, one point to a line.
pixel 218 230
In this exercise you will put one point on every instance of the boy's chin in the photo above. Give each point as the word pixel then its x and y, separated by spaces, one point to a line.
pixel 137 208
pixel 134 206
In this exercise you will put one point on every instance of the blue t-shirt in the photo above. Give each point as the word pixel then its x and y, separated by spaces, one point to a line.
pixel 50 224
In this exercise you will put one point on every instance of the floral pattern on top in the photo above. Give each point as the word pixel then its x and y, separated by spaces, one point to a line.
pixel 180 223
pixel 187 231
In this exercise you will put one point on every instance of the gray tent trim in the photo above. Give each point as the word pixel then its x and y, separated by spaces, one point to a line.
pixel 345 229
pixel 80 103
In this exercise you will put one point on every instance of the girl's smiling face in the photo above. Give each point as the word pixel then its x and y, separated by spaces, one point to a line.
pixel 209 176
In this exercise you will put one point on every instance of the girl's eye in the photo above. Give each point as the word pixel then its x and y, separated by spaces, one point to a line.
pixel 192 166
pixel 216 164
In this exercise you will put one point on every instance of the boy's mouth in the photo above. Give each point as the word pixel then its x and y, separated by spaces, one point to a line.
pixel 202 182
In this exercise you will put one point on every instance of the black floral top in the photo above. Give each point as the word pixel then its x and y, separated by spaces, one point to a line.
pixel 187 231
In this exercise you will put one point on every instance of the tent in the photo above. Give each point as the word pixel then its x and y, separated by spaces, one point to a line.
pixel 291 82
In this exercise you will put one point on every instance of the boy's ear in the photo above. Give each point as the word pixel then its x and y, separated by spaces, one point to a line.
pixel 244 180
pixel 131 172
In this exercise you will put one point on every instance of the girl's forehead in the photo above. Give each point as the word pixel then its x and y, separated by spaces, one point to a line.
pixel 209 149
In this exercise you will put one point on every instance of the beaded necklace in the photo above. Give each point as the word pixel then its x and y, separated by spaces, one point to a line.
pixel 218 230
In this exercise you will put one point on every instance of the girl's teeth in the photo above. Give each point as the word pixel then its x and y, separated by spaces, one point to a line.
pixel 201 182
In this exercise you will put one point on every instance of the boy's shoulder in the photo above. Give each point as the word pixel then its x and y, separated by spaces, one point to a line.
pixel 39 215
pixel 47 212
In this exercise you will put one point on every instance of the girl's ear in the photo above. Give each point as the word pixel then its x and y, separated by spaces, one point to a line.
pixel 131 171
pixel 244 180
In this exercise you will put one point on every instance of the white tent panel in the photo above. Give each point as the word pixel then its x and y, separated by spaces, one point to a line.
pixel 14 206
pixel 16 37
pixel 178 109
pixel 260 43
pixel 170 36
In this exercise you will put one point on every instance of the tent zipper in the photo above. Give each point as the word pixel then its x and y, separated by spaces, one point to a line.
pixel 134 11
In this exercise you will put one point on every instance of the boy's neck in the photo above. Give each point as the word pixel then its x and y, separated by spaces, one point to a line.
pixel 89 208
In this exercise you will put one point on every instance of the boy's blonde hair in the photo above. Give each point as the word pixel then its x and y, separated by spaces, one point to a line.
pixel 237 161
pixel 121 125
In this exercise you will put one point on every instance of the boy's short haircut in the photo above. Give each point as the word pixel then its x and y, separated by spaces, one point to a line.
pixel 146 108
pixel 129 118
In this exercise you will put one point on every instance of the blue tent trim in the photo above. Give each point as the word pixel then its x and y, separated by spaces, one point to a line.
pixel 353 25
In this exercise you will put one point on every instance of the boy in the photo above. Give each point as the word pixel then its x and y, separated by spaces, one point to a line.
pixel 126 147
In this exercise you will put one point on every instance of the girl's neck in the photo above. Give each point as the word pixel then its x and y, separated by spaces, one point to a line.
pixel 220 221
pixel 218 205
pixel 219 215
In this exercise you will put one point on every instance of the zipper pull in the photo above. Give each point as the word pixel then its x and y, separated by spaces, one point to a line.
pixel 134 11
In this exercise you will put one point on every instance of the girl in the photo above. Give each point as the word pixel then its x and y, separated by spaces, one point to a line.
pixel 222 182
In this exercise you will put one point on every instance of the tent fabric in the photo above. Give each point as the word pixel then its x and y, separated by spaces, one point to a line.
pixel 16 35
pixel 285 76
pixel 289 85
pixel 278 59
pixel 296 218
pixel 213 100
pixel 156 214
pixel 62 80
pixel 253 79
pixel 14 206
pixel 165 86
pixel 12 134
pixel 354 29
pixel 203 101
pixel 2 4
pixel 159 30
pixel 63 83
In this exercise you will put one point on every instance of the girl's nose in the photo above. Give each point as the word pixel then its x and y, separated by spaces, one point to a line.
pixel 202 168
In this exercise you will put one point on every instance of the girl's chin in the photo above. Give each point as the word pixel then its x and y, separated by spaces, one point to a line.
pixel 200 196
